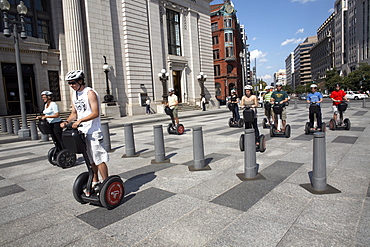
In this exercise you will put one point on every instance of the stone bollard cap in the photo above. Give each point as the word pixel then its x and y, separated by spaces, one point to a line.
pixel 197 128
pixel 248 131
pixel 127 124
pixel 319 134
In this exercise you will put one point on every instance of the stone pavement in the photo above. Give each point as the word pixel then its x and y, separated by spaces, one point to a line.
pixel 168 205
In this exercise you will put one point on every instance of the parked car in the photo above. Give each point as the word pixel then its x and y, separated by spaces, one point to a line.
pixel 356 95
pixel 325 95
pixel 302 96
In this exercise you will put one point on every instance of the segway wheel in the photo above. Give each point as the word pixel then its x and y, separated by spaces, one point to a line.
pixel 262 141
pixel 66 159
pixel 241 143
pixel 287 131
pixel 264 123
pixel 169 128
pixel 79 186
pixel 112 192
pixel 272 130
pixel 51 156
pixel 180 129
pixel 241 123
pixel 332 124
pixel 347 124
pixel 323 127
pixel 307 128
pixel 230 122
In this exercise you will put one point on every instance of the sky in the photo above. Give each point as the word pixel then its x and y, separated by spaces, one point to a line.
pixel 274 28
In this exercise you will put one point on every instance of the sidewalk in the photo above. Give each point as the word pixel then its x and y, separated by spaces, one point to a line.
pixel 168 205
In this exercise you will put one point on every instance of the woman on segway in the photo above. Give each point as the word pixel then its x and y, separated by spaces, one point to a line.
pixel 233 106
pixel 51 114
pixel 251 101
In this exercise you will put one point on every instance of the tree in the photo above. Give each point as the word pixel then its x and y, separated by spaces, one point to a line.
pixel 302 88
pixel 288 89
pixel 360 78
pixel 332 78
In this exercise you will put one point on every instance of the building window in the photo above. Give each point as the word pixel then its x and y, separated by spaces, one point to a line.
pixel 216 54
pixel 54 84
pixel 173 32
pixel 214 26
pixel 217 71
pixel 229 68
pixel 228 37
pixel 229 51
pixel 228 23
pixel 37 19
pixel 215 40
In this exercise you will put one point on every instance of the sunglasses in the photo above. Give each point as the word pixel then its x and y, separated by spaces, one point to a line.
pixel 72 82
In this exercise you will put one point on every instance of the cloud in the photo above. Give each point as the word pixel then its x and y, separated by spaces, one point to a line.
pixel 266 77
pixel 254 38
pixel 299 31
pixel 331 10
pixel 292 41
pixel 258 55
pixel 268 67
pixel 303 1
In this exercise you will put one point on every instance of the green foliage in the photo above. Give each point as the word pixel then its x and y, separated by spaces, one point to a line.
pixel 302 88
pixel 288 89
pixel 356 80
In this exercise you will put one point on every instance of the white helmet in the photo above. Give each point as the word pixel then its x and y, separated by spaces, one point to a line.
pixel 248 87
pixel 279 84
pixel 267 87
pixel 171 89
pixel 47 93
pixel 313 85
pixel 74 75
pixel 233 90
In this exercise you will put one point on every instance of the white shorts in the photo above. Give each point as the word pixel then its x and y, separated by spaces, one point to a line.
pixel 335 109
pixel 95 149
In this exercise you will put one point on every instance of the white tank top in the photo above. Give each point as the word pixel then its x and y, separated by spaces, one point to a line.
pixel 82 105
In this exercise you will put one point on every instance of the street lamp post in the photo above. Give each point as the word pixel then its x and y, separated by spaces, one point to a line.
pixel 201 79
pixel 163 77
pixel 241 55
pixel 18 27
pixel 108 98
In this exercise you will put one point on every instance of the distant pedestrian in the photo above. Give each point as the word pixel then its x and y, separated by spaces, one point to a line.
pixel 147 105
pixel 204 102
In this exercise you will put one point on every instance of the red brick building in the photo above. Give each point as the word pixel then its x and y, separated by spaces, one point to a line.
pixel 227 44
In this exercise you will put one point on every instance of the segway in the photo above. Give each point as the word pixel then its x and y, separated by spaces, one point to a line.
pixel 342 124
pixel 57 155
pixel 314 109
pixel 109 193
pixel 276 130
pixel 267 121
pixel 232 121
pixel 171 128
pixel 248 115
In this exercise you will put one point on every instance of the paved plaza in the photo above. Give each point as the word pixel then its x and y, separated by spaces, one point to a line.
pixel 168 205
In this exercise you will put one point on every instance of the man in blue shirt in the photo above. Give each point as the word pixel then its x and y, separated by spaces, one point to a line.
pixel 315 97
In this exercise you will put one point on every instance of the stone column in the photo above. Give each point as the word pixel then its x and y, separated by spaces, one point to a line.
pixel 74 34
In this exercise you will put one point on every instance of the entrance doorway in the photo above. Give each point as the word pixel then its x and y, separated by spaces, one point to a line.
pixel 176 75
pixel 10 80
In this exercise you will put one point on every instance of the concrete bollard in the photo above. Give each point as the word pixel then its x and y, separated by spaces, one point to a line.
pixel 198 149
pixel 3 124
pixel 129 140
pixel 44 137
pixel 295 104
pixel 106 134
pixel 317 176
pixel 318 180
pixel 16 125
pixel 9 125
pixel 159 145
pixel 250 165
pixel 363 103
pixel 34 133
